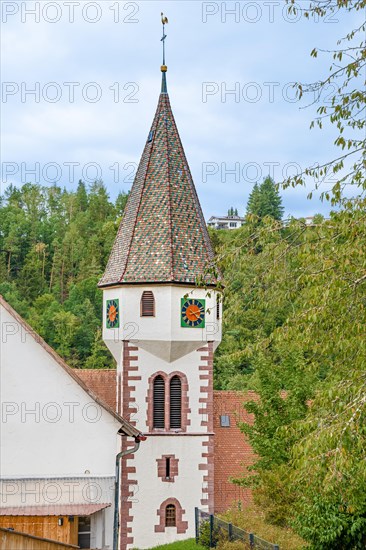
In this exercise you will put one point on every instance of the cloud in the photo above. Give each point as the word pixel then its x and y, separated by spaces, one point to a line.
pixel 117 54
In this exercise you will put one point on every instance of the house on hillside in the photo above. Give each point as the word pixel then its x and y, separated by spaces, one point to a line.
pixel 59 442
pixel 225 222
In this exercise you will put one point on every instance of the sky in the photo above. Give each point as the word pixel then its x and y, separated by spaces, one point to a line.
pixel 81 80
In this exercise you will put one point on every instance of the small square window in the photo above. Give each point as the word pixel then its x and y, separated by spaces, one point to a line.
pixel 151 135
pixel 225 421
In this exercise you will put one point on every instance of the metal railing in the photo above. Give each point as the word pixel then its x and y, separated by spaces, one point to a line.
pixel 210 530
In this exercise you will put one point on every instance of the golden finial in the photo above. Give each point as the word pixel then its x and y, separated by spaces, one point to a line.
pixel 164 21
pixel 164 68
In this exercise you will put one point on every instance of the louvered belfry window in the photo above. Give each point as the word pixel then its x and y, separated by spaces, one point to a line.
pixel 217 307
pixel 147 304
pixel 159 402
pixel 175 402
pixel 170 516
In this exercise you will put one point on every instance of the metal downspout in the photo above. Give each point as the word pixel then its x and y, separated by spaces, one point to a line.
pixel 116 491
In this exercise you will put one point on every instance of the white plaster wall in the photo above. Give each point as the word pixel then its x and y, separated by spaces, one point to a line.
pixel 165 330
pixel 49 425
pixel 165 326
pixel 151 491
pixel 33 491
pixel 102 529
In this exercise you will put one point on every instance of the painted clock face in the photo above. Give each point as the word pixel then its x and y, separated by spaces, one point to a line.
pixel 192 313
pixel 112 312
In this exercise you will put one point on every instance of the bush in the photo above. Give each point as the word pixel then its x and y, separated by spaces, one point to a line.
pixel 219 535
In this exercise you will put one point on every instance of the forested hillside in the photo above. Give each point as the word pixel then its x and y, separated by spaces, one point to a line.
pixel 295 331
pixel 54 246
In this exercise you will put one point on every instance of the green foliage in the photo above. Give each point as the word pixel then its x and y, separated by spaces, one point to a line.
pixel 232 211
pixel 54 247
pixel 204 536
pixel 265 200
pixel 344 107
pixel 218 536
pixel 294 323
pixel 252 520
pixel 98 358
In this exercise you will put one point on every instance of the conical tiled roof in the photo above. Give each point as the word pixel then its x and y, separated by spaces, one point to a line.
pixel 163 236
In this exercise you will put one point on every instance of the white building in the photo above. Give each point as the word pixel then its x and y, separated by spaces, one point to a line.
pixel 225 222
pixel 162 322
pixel 58 444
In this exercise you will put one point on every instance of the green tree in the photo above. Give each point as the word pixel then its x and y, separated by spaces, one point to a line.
pixel 121 202
pixel 307 367
pixel 65 328
pixel 32 280
pixel 232 211
pixel 100 357
pixel 265 200
pixel 82 197
pixel 54 247
pixel 345 108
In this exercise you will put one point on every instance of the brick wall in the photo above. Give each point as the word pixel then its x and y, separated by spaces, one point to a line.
pixel 232 452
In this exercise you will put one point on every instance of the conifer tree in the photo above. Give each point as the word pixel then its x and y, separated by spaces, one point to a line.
pixel 265 200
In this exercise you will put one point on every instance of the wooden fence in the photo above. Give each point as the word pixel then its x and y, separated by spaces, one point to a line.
pixel 14 540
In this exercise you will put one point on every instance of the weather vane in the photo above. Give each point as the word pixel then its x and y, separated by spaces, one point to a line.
pixel 164 20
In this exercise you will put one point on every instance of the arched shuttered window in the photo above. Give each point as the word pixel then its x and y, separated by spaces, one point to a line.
pixel 147 304
pixel 159 402
pixel 170 516
pixel 175 402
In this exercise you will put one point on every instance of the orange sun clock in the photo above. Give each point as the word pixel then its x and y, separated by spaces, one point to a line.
pixel 112 311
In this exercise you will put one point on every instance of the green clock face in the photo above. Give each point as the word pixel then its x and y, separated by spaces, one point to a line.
pixel 192 313
pixel 112 314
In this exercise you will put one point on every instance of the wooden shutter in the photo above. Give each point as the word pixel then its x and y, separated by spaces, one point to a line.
pixel 175 402
pixel 159 403
pixel 147 304
pixel 170 516
pixel 217 307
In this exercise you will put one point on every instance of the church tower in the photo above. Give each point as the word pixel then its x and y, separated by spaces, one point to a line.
pixel 162 323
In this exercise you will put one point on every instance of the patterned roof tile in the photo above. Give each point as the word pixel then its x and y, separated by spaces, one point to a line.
pixel 163 236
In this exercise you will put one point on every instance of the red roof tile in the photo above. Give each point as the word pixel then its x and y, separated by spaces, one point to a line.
pixel 101 382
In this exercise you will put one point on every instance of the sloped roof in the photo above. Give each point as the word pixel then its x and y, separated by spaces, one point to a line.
pixel 102 382
pixel 163 236
pixel 53 510
pixel 126 427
